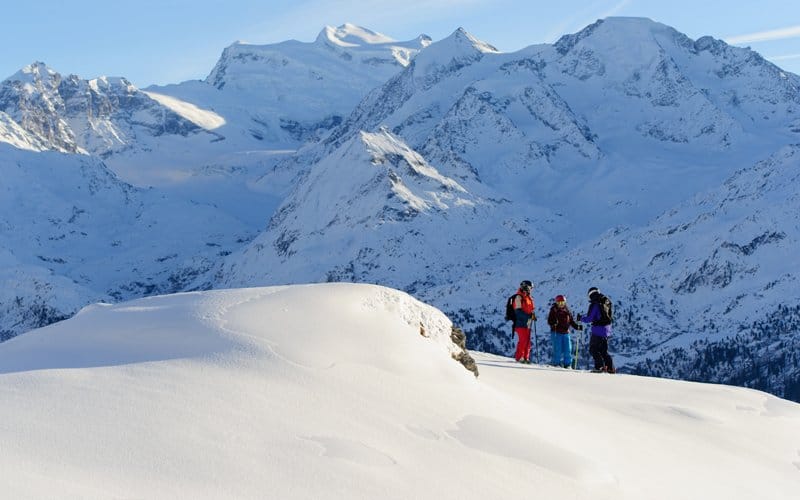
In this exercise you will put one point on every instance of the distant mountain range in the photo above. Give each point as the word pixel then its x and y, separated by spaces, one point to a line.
pixel 625 156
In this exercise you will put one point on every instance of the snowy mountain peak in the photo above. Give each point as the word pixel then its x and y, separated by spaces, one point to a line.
pixel 612 35
pixel 350 35
pixel 40 74
pixel 631 24
pixel 722 90
pixel 34 72
pixel 348 46
pixel 449 55
pixel 34 78
pixel 73 115
pixel 294 92
pixel 105 83
pixel 461 37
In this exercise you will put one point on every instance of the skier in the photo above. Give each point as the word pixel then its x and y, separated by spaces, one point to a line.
pixel 600 317
pixel 560 320
pixel 524 315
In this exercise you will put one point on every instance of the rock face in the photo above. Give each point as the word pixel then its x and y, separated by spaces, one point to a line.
pixel 99 116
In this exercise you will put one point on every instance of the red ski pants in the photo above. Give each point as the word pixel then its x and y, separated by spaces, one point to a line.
pixel 523 343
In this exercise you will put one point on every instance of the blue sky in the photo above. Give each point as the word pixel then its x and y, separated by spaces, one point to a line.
pixel 169 41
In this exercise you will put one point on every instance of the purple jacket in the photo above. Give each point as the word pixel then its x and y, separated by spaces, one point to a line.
pixel 594 315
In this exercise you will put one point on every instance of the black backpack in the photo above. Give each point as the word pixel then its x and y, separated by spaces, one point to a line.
pixel 606 311
pixel 511 315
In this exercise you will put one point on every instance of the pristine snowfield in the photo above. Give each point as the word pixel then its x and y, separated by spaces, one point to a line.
pixel 330 391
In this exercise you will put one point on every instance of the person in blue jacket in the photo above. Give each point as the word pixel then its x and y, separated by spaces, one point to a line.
pixel 560 320
pixel 600 317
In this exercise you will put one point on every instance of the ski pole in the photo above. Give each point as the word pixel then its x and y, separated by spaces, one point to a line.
pixel 536 342
pixel 585 333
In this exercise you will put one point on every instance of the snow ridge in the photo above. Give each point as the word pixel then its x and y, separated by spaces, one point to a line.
pixel 99 116
pixel 155 393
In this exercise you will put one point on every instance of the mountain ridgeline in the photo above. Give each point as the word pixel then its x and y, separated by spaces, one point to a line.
pixel 626 156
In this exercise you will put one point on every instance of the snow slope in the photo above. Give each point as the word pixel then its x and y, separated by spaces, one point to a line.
pixel 72 233
pixel 393 218
pixel 229 394
pixel 711 282
pixel 11 133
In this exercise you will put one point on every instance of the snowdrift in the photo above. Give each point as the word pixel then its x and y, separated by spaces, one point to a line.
pixel 343 391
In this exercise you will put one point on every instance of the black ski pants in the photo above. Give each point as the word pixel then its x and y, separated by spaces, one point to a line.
pixel 598 348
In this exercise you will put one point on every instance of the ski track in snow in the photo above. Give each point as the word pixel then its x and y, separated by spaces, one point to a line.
pixel 519 444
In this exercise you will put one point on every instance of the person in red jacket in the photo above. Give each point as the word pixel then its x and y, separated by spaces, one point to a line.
pixel 523 315
pixel 560 320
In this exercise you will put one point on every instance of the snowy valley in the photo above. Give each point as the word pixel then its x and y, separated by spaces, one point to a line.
pixel 625 156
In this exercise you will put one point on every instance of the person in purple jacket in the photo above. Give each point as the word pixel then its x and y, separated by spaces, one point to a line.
pixel 600 316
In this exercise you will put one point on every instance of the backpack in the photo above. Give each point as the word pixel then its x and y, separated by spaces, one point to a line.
pixel 511 315
pixel 606 311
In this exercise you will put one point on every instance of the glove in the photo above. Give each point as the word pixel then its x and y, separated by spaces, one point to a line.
pixel 533 316
pixel 580 328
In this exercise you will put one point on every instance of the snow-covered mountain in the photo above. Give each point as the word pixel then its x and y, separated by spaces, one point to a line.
pixel 98 116
pixel 386 211
pixel 525 125
pixel 330 63
pixel 73 233
pixel 452 171
pixel 552 146
pixel 298 90
pixel 154 138
pixel 676 89
pixel 708 290
pixel 281 96
pixel 249 393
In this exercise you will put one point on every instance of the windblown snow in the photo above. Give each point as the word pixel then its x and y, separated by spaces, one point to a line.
pixel 202 117
pixel 344 391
